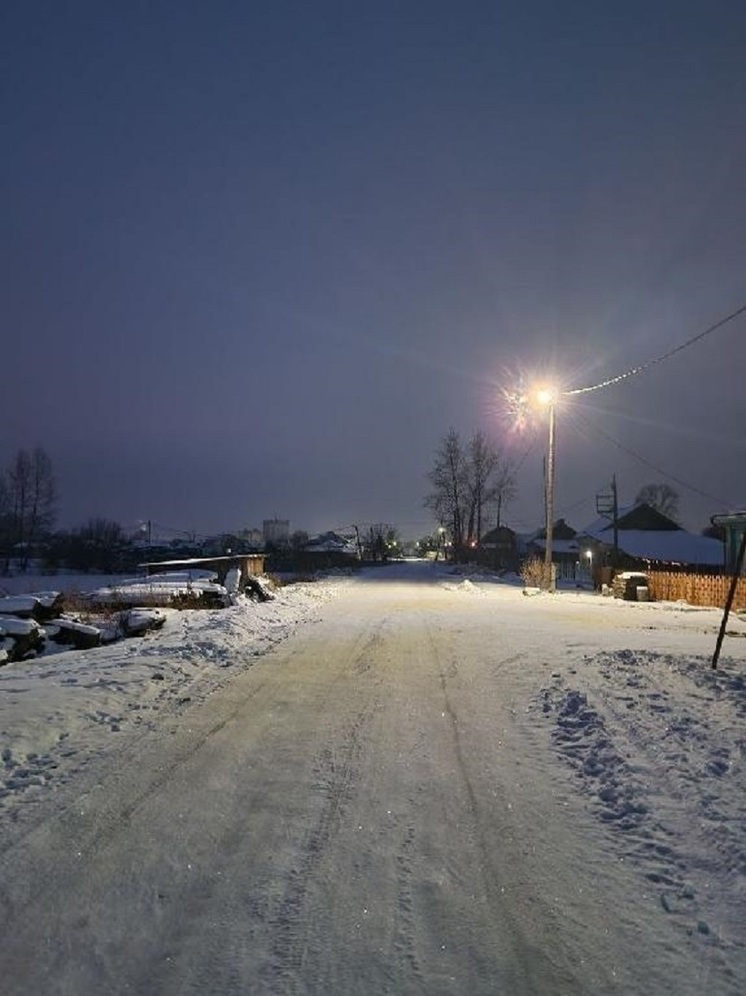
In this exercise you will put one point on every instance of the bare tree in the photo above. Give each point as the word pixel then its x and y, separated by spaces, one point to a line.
pixel 448 477
pixel 380 541
pixel 503 490
pixel 481 461
pixel 465 482
pixel 299 539
pixel 31 497
pixel 662 497
pixel 97 545
pixel 43 495
pixel 6 523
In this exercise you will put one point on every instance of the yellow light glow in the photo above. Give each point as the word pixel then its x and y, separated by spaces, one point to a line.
pixel 546 396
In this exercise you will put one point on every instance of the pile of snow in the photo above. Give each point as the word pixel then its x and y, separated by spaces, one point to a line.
pixel 40 605
pixel 466 586
pixel 19 605
pixel 657 743
pixel 36 623
pixel 19 637
pixel 142 621
pixel 161 589
pixel 59 710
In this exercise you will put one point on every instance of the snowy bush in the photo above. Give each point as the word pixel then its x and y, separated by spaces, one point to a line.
pixel 536 574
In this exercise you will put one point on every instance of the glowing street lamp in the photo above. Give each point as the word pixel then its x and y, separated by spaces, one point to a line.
pixel 589 555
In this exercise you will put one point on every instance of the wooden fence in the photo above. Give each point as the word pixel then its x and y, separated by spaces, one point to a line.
pixel 696 589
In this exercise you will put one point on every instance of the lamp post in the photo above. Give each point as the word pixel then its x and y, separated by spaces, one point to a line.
pixel 547 398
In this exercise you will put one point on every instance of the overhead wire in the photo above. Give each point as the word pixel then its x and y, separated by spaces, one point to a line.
pixel 523 459
pixel 657 469
pixel 659 359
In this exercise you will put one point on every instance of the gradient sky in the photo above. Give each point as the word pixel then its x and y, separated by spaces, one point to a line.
pixel 258 258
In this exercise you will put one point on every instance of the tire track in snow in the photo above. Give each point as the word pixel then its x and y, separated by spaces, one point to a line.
pixel 336 770
pixel 527 965
pixel 408 965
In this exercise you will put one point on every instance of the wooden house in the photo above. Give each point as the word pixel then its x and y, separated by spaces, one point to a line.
pixel 643 536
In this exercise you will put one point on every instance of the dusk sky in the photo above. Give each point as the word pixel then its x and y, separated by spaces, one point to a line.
pixel 258 258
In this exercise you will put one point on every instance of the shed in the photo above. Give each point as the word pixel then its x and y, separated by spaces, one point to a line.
pixel 248 564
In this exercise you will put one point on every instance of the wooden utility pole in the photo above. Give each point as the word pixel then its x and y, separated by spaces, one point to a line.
pixel 550 499
pixel 729 600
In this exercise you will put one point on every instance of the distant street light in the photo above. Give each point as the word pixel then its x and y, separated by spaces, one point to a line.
pixel 441 542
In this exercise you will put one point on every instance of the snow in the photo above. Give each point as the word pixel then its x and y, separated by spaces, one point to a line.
pixel 158 589
pixel 656 744
pixel 18 627
pixel 233 580
pixel 156 593
pixel 619 721
pixel 19 605
pixel 139 620
pixel 670 546
pixel 56 710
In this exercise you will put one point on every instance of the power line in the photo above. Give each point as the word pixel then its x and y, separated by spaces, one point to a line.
pixel 659 359
pixel 659 470
pixel 523 459
pixel 566 509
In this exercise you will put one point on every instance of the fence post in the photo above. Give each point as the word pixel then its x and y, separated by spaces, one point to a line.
pixel 729 602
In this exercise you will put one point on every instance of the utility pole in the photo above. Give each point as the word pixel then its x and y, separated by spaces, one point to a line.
pixel 615 511
pixel 729 600
pixel 550 497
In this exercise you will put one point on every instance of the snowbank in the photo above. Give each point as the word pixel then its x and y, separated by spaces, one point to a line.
pixel 59 710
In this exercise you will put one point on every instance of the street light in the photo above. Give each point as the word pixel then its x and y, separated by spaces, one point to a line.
pixel 547 398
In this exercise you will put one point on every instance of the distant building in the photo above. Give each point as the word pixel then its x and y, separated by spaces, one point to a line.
pixel 734 524
pixel 332 542
pixel 498 549
pixel 565 548
pixel 276 531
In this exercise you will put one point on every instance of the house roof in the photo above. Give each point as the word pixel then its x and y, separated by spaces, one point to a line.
pixel 729 518
pixel 641 517
pixel 670 546
pixel 647 534
pixel 569 546
pixel 331 542
pixel 501 534
pixel 196 561
pixel 561 530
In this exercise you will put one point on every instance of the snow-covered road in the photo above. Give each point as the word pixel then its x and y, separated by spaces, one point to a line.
pixel 443 787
